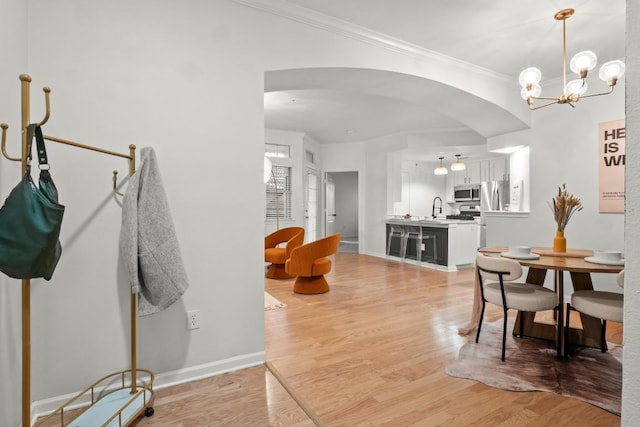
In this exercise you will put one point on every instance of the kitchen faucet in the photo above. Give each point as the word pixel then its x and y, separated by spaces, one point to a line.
pixel 433 207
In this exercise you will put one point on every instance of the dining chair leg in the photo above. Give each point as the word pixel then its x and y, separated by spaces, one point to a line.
pixel 603 335
pixel 480 322
pixel 504 334
pixel 566 328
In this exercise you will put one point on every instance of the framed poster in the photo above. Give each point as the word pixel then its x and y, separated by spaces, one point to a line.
pixel 611 165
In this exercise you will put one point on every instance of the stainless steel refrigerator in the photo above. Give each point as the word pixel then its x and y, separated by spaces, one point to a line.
pixel 494 196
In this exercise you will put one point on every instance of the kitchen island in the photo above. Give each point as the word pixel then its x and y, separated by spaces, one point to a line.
pixel 445 244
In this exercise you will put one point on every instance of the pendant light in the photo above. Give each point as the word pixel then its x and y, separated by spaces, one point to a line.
pixel 458 165
pixel 441 170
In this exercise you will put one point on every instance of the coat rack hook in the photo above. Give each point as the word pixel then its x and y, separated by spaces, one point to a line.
pixel 47 105
pixel 4 143
pixel 115 180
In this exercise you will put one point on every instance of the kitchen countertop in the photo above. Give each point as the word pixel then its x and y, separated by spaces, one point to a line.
pixel 437 223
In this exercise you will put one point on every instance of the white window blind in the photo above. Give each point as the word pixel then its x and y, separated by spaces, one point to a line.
pixel 279 194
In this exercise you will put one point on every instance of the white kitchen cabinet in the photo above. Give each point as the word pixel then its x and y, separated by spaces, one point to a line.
pixel 485 170
pixel 459 177
pixel 499 169
pixel 474 173
pixel 471 175
pixel 463 243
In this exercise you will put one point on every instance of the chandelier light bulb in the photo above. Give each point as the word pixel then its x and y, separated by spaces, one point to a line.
pixel 611 70
pixel 529 76
pixel 576 87
pixel 583 61
pixel 531 91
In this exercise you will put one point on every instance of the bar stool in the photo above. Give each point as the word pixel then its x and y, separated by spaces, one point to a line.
pixel 434 245
pixel 397 232
pixel 415 234
pixel 420 239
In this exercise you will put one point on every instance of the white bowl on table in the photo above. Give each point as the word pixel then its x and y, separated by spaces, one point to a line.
pixel 606 256
pixel 520 252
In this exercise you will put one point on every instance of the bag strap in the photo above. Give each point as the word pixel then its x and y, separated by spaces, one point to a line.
pixel 42 151
pixel 30 132
pixel 43 161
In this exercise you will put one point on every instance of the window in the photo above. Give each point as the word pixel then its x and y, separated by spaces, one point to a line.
pixel 279 194
pixel 279 185
pixel 277 150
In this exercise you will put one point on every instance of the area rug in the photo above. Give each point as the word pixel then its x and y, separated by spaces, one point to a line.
pixel 531 364
pixel 270 303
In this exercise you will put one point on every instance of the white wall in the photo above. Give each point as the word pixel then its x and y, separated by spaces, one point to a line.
pixel 422 188
pixel 631 371
pixel 118 76
pixel 520 176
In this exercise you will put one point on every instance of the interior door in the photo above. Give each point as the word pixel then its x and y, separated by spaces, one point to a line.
pixel 330 203
pixel 311 205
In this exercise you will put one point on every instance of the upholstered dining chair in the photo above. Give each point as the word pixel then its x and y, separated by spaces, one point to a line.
pixel 602 305
pixel 310 263
pixel 277 250
pixel 496 278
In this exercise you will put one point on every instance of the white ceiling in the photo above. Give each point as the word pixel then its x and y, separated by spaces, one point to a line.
pixel 504 36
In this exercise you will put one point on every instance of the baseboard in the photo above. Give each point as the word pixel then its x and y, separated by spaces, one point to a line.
pixel 167 379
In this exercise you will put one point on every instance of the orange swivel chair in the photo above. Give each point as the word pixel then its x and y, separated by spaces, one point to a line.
pixel 310 263
pixel 276 255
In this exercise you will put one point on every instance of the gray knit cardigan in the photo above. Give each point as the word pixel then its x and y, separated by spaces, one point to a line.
pixel 148 243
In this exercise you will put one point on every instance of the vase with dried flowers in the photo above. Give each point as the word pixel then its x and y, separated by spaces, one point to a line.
pixel 564 206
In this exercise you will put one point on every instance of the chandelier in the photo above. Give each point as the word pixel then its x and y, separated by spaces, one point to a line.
pixel 581 63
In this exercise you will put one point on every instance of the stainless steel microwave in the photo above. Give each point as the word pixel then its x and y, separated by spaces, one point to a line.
pixel 466 193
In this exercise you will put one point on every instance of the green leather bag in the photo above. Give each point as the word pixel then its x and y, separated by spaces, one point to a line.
pixel 30 221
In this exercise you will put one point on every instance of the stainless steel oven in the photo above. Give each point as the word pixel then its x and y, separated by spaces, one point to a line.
pixel 466 193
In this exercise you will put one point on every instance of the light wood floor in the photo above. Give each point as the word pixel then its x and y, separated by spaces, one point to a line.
pixel 371 352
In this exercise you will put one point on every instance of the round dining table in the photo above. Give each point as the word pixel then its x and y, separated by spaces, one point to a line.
pixel 580 270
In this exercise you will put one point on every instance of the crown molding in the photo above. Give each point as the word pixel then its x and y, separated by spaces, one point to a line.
pixel 338 26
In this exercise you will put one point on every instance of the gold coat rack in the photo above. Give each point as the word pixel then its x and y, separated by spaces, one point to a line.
pixel 25 80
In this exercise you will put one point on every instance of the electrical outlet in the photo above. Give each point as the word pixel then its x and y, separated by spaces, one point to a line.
pixel 193 319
